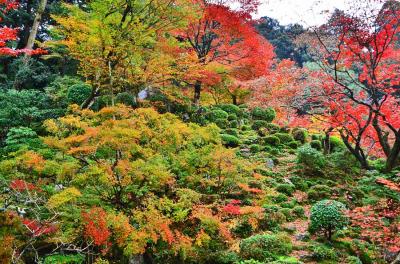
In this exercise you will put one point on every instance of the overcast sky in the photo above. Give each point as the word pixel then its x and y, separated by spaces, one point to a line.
pixel 305 12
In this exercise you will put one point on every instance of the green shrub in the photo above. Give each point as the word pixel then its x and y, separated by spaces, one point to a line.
pixel 225 257
pixel 67 259
pixel 230 108
pixel 243 229
pixel 287 212
pixel 264 247
pixel 78 93
pixel 254 148
pixel 293 145
pixel 319 192
pixel 229 140
pixel 232 117
pixel 273 128
pixel 271 140
pixel 245 128
pixel 267 114
pixel 221 123
pixel 285 188
pixel 298 211
pixel 234 124
pixel 216 114
pixel 300 134
pixel 316 144
pixel 126 99
pixel 344 160
pixel 22 137
pixel 316 137
pixel 336 144
pixel 299 183
pixel 251 261
pixel 311 159
pixel 280 197
pixel 231 131
pixel 327 217
pixel 285 138
pixel 321 252
pixel 353 260
pixel 257 124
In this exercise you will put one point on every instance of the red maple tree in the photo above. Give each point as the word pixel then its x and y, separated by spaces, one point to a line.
pixel 10 34
pixel 227 36
pixel 358 97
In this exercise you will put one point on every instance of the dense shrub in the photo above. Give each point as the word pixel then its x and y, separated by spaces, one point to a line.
pixel 319 192
pixel 285 138
pixel 321 252
pixel 300 134
pixel 298 211
pixel 254 148
pixel 336 144
pixel 273 128
pixel 229 140
pixel 234 124
pixel 343 160
pixel 267 114
pixel 280 198
pixel 243 229
pixel 316 137
pixel 316 144
pixel 216 114
pixel 232 117
pixel 311 159
pixel 271 140
pixel 231 131
pixel 230 109
pixel 293 144
pixel 265 247
pixel 259 124
pixel 221 123
pixel 326 217
pixel 78 93
pixel 285 188
pixel 245 128
pixel 126 99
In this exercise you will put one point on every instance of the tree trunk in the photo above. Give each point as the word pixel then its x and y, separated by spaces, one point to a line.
pixel 90 100
pixel 36 24
pixel 393 159
pixel 234 100
pixel 197 92
pixel 397 260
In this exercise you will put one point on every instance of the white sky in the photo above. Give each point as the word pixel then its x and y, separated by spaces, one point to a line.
pixel 305 12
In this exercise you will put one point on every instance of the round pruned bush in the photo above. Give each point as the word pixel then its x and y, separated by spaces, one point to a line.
pixel 272 140
pixel 273 128
pixel 285 138
pixel 254 148
pixel 327 217
pixel 232 117
pixel 285 188
pixel 293 144
pixel 311 159
pixel 221 123
pixel 245 128
pixel 322 252
pixel 300 134
pixel 319 192
pixel 267 114
pixel 126 99
pixel 298 211
pixel 233 124
pixel 216 114
pixel 316 144
pixel 231 131
pixel 257 124
pixel 265 247
pixel 230 109
pixel 229 140
pixel 78 93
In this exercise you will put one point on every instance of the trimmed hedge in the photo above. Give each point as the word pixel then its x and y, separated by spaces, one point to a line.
pixel 229 140
pixel 272 140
